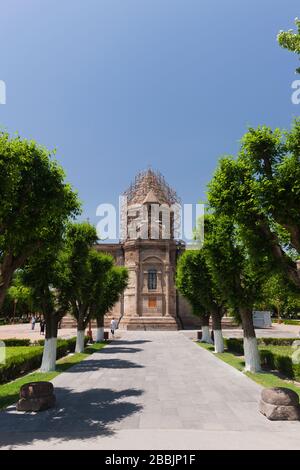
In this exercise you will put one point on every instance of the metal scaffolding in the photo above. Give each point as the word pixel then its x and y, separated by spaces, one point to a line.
pixel 150 180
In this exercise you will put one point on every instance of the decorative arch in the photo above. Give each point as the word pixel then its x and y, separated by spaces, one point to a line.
pixel 152 259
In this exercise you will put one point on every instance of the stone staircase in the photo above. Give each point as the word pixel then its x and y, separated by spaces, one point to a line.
pixel 228 323
pixel 150 323
pixel 166 323
pixel 69 322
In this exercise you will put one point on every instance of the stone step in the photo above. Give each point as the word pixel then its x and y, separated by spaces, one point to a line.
pixel 149 323
pixel 70 322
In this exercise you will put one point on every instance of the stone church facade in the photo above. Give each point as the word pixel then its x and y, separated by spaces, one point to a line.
pixel 151 300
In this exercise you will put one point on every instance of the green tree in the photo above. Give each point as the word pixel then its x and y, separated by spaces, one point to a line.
pixel 19 297
pixel 187 282
pixel 84 274
pixel 42 273
pixel 260 191
pixel 109 293
pixel 67 279
pixel 237 278
pixel 280 295
pixel 291 40
pixel 35 203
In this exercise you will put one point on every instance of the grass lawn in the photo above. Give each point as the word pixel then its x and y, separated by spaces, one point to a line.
pixel 265 379
pixel 9 393
pixel 287 322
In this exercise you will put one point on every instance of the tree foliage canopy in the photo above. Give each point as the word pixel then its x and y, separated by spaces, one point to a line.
pixel 281 296
pixel 36 203
pixel 260 192
pixel 237 279
pixel 187 281
pixel 110 290
pixel 291 40
pixel 83 272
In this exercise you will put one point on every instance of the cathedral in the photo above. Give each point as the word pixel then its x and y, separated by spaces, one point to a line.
pixel 149 249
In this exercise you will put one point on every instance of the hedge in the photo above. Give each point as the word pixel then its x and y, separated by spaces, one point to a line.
pixel 276 341
pixel 237 345
pixel 71 342
pixel 19 365
pixel 283 364
pixel 270 359
pixel 16 342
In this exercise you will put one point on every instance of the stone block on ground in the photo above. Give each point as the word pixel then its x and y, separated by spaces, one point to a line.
pixel 280 396
pixel 36 404
pixel 296 356
pixel 36 396
pixel 36 389
pixel 296 344
pixel 280 404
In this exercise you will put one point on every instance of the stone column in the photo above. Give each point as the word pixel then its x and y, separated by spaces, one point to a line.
pixel 167 290
pixel 137 289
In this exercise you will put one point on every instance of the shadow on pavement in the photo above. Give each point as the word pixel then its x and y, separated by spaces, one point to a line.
pixel 124 342
pixel 78 414
pixel 90 365
pixel 119 350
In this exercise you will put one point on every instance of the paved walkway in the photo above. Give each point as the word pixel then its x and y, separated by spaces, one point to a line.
pixel 23 330
pixel 152 390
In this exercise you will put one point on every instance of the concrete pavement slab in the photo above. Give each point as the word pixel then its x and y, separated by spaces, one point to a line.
pixel 152 390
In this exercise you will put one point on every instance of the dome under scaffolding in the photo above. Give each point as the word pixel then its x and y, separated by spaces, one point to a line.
pixel 153 183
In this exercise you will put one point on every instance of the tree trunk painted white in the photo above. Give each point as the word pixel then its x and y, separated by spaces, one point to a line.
pixel 79 341
pixel 100 334
pixel 49 355
pixel 205 335
pixel 252 360
pixel 219 342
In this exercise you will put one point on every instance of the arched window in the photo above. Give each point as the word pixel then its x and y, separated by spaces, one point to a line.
pixel 152 279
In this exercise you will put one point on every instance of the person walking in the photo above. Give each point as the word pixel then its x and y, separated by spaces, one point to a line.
pixel 33 321
pixel 42 326
pixel 113 326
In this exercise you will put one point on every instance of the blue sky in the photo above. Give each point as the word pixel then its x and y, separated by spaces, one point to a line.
pixel 117 85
